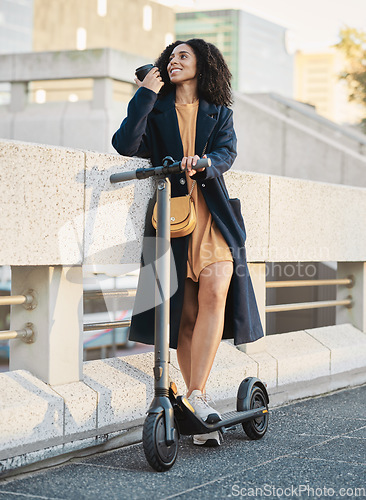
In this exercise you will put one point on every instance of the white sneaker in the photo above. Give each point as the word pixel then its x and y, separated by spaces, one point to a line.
pixel 202 408
pixel 211 439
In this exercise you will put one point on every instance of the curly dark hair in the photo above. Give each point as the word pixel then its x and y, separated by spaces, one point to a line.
pixel 213 73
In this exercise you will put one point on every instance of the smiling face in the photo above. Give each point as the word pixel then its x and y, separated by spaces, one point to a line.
pixel 182 66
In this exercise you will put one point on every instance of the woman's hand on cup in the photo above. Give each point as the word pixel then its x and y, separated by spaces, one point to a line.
pixel 152 80
pixel 189 162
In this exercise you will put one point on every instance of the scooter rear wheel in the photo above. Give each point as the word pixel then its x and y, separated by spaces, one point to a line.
pixel 160 456
pixel 256 429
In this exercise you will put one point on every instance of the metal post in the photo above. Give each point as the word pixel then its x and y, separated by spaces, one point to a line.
pixel 19 96
pixel 357 314
pixel 56 355
pixel 258 277
pixel 102 93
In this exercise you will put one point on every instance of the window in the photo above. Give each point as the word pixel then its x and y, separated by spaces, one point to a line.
pixel 169 38
pixel 40 96
pixel 147 18
pixel 81 38
pixel 102 8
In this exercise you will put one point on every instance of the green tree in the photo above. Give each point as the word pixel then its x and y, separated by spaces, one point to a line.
pixel 352 44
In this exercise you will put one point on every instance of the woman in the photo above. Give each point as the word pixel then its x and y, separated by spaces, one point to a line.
pixel 180 110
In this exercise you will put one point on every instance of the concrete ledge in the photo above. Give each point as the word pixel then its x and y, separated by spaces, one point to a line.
pixel 299 357
pixel 55 455
pixel 40 424
pixel 80 412
pixel 31 414
pixel 121 394
pixel 347 346
pixel 267 368
pixel 230 368
pixel 290 392
pixel 53 65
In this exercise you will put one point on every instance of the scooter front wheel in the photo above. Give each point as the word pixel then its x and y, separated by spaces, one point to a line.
pixel 160 456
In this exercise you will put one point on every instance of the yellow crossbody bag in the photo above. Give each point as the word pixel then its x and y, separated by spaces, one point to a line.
pixel 183 217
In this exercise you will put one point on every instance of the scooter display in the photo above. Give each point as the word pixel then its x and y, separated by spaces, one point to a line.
pixel 171 415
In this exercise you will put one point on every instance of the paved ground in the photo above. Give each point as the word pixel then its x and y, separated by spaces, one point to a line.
pixel 315 448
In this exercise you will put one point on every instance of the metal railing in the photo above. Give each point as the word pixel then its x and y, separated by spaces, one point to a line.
pixel 27 334
pixel 104 325
pixel 349 282
pixel 28 300
pixel 97 294
pixel 348 302
pixel 88 327
pixel 309 305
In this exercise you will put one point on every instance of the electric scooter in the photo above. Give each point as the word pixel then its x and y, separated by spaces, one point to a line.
pixel 171 415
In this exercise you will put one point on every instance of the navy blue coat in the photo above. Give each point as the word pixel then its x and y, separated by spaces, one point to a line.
pixel 151 130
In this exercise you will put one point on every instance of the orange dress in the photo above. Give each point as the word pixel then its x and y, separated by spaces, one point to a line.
pixel 206 244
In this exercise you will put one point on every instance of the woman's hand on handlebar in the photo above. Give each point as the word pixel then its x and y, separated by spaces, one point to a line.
pixel 189 162
pixel 152 80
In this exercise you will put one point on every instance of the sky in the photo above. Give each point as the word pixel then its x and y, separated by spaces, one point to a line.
pixel 314 24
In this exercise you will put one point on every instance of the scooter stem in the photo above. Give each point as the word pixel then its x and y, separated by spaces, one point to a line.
pixel 162 293
pixel 162 311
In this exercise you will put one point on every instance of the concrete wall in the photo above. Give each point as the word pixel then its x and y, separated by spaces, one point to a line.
pixel 58 207
pixel 84 124
pixel 71 124
pixel 282 137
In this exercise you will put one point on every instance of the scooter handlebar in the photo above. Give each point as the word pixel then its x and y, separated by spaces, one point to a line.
pixel 144 173
pixel 123 176
pixel 203 163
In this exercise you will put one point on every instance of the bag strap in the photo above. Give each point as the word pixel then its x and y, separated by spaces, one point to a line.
pixel 191 191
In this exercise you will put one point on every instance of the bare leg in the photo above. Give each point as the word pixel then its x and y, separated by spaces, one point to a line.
pixel 188 320
pixel 214 282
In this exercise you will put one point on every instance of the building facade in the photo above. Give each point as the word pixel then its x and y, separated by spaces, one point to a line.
pixel 141 27
pixel 16 26
pixel 254 48
pixel 220 27
pixel 317 83
pixel 16 29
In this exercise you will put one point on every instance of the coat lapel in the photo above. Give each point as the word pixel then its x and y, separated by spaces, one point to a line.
pixel 206 121
pixel 167 123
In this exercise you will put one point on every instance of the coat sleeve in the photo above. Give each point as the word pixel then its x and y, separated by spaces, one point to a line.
pixel 223 152
pixel 131 139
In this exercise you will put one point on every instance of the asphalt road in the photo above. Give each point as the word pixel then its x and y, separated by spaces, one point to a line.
pixel 315 448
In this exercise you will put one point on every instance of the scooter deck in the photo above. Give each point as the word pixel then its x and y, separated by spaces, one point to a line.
pixel 189 423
